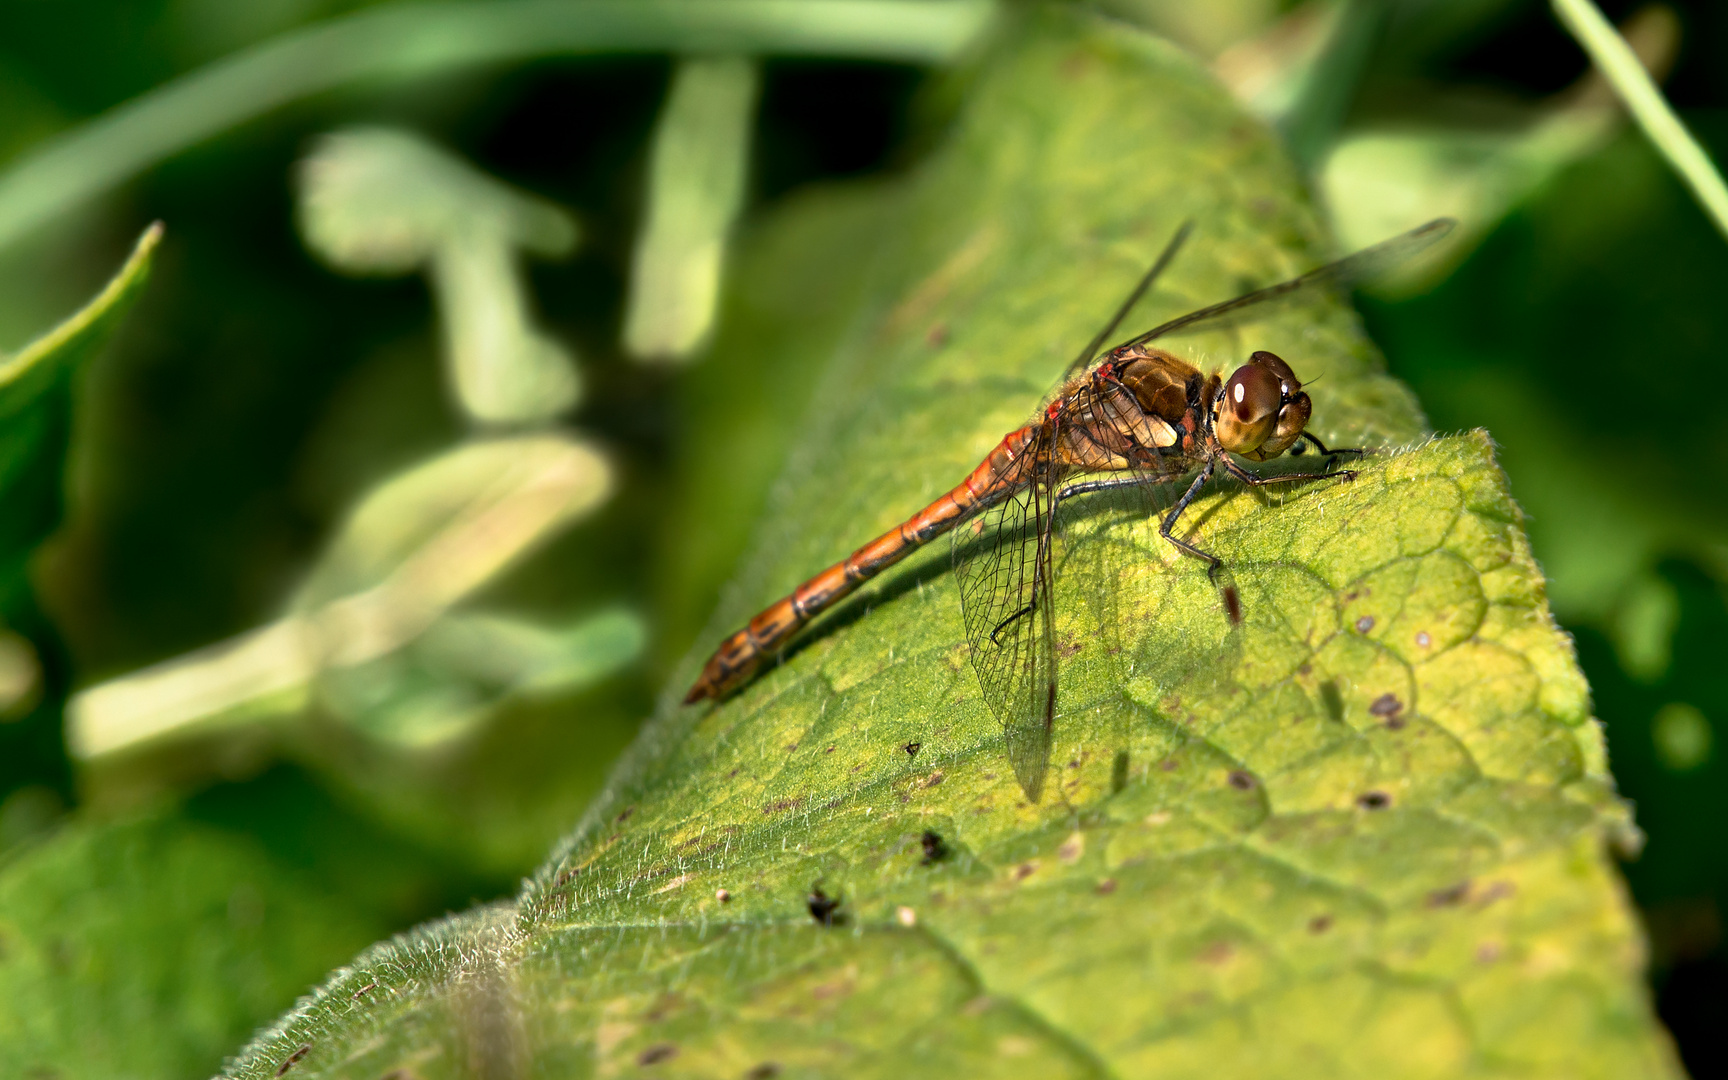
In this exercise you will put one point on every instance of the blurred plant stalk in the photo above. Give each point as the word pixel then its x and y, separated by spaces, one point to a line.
pixel 1379 176
pixel 399 42
pixel 371 639
pixel 1619 62
pixel 415 547
pixel 376 201
pixel 1299 74
pixel 696 179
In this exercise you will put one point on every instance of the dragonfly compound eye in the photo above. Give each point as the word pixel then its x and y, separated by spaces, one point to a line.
pixel 1275 364
pixel 1292 418
pixel 1249 409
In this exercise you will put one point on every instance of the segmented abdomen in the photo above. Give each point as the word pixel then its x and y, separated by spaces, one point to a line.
pixel 1006 469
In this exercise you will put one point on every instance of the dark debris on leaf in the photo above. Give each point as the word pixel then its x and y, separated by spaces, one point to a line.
pixel 1386 705
pixel 1451 896
pixel 825 909
pixel 935 849
pixel 291 1059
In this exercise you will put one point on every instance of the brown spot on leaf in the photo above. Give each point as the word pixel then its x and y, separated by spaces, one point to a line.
pixel 1076 64
pixel 1242 780
pixel 1364 624
pixel 1373 800
pixel 912 749
pixel 1496 890
pixel 1025 870
pixel 1072 848
pixel 1217 953
pixel 657 1053
pixel 781 805
pixel 1105 887
pixel 291 1059
pixel 1319 924
pixel 765 1071
pixel 1450 896
pixel 1386 705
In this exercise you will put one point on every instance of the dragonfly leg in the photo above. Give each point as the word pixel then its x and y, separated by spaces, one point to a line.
pixel 1009 621
pixel 1169 522
pixel 1255 480
pixel 1090 486
pixel 1320 446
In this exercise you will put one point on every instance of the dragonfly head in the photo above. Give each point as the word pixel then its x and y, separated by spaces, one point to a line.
pixel 1262 409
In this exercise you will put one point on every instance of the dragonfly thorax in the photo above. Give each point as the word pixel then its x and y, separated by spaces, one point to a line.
pixel 1261 410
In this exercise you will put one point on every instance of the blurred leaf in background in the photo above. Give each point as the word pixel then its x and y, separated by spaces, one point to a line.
pixel 35 428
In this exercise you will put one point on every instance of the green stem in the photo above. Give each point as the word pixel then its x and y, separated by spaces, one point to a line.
pixel 1617 62
pixel 416 40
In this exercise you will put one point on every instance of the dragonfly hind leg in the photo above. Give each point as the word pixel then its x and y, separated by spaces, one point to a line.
pixel 1010 620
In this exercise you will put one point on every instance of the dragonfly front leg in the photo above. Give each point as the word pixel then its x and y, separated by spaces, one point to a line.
pixel 1255 480
pixel 1169 522
pixel 1320 446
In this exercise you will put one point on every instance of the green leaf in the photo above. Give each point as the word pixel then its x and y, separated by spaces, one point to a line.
pixel 1360 834
pixel 35 431
pixel 141 948
pixel 35 415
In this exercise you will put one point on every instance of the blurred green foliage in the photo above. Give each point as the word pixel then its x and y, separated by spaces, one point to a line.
pixel 254 398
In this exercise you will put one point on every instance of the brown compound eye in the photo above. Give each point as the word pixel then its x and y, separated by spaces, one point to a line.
pixel 1292 419
pixel 1249 408
pixel 1275 364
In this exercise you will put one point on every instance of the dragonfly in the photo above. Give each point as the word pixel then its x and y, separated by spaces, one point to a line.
pixel 1138 416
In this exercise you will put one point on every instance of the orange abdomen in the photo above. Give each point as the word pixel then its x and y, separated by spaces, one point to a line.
pixel 1002 472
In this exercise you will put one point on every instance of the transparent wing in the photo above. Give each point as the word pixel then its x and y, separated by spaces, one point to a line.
pixel 1002 559
pixel 1364 265
pixel 1152 274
